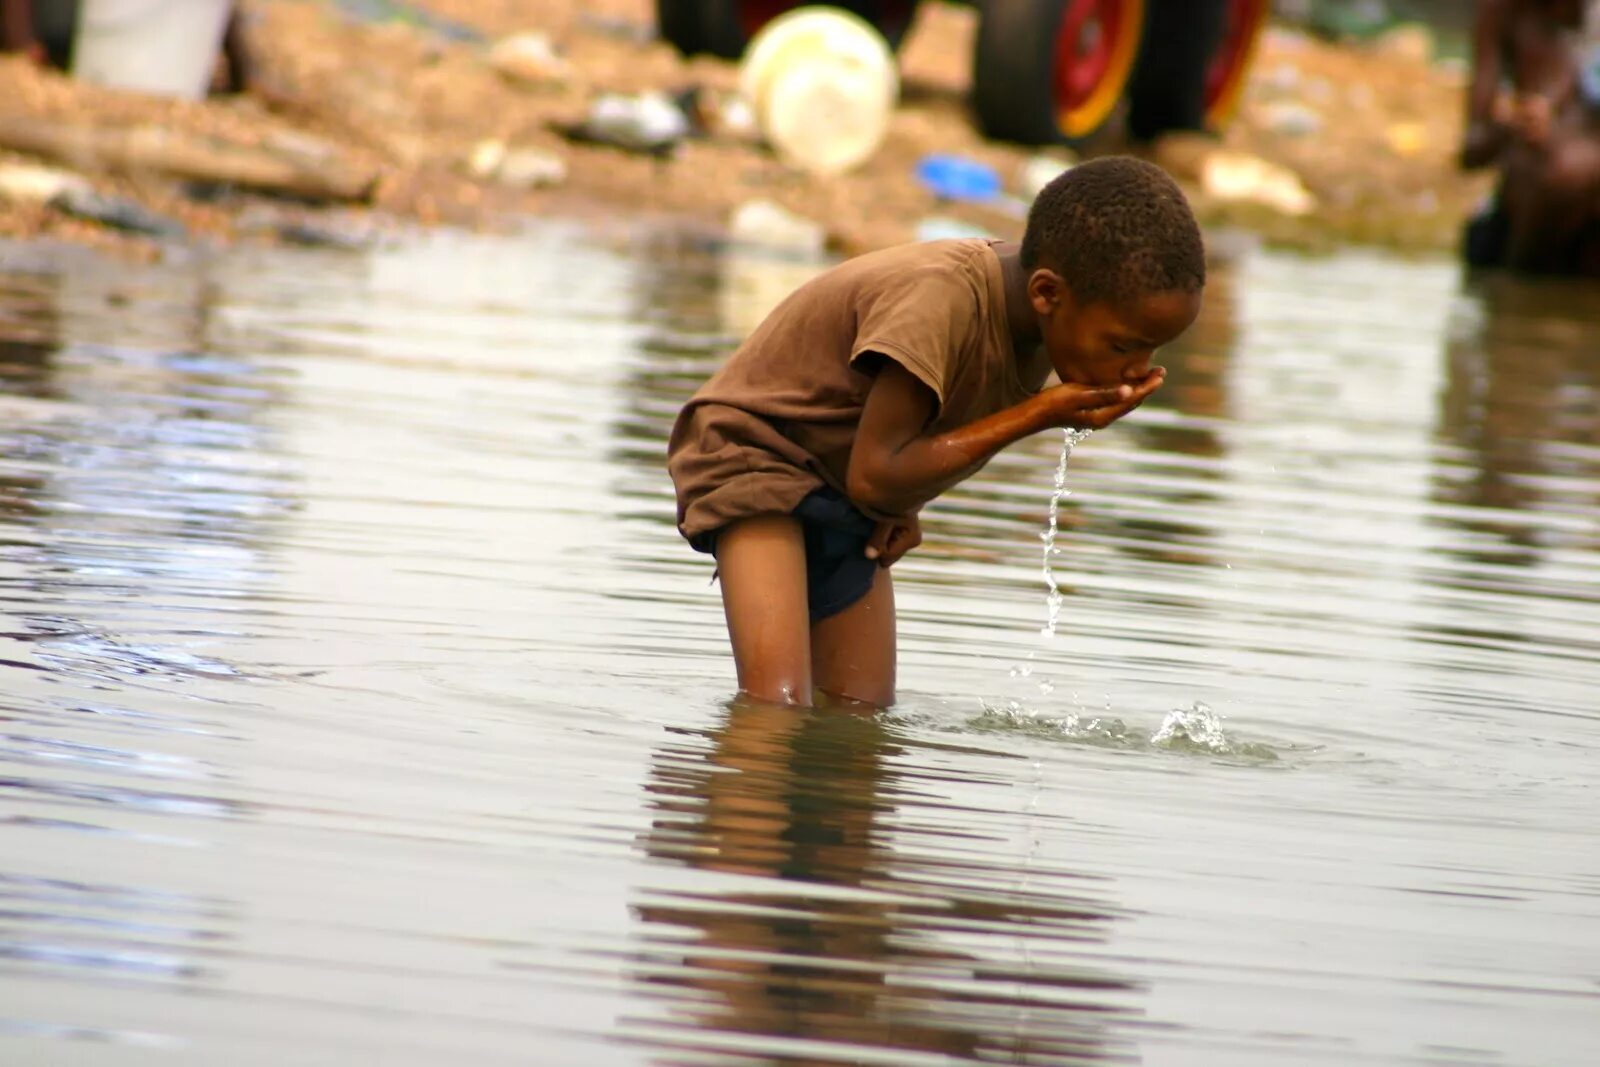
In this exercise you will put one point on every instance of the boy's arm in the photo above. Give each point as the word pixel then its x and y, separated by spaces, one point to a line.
pixel 896 466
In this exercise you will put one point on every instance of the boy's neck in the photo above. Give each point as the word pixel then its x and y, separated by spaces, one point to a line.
pixel 1020 319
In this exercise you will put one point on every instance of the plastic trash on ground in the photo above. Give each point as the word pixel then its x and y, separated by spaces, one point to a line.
pixel 151 46
pixel 958 178
pixel 650 122
pixel 71 194
pixel 530 59
pixel 773 228
pixel 30 183
pixel 1241 177
pixel 823 85
pixel 517 168
pixel 1288 118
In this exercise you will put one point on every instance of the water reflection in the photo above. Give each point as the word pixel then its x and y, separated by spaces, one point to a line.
pixel 1521 412
pixel 845 931
pixel 1178 435
pixel 135 486
pixel 29 334
pixel 353 677
pixel 139 464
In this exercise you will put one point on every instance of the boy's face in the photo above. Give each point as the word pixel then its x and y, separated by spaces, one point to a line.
pixel 1109 344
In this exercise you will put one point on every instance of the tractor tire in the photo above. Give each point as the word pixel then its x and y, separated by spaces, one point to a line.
pixel 678 24
pixel 1231 59
pixel 724 27
pixel 1048 71
pixel 1193 64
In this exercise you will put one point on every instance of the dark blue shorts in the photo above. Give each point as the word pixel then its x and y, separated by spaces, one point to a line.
pixel 838 572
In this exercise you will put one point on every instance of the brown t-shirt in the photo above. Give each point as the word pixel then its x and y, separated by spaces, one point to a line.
pixel 779 418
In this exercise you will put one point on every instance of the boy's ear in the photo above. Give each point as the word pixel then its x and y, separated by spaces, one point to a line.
pixel 1047 291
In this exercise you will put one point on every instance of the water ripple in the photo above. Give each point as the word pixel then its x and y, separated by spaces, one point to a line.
pixel 357 698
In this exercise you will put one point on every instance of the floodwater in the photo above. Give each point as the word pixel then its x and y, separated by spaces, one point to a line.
pixel 359 703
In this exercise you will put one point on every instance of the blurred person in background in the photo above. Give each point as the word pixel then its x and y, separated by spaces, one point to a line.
pixel 27 25
pixel 1533 110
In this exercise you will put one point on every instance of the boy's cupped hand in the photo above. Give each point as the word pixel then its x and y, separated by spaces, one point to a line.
pixel 891 540
pixel 1094 407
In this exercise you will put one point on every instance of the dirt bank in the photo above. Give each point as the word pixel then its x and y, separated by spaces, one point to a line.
pixel 1370 132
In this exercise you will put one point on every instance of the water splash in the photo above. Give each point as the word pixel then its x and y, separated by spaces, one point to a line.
pixel 1199 729
pixel 1012 716
pixel 1069 440
pixel 1196 727
pixel 1195 730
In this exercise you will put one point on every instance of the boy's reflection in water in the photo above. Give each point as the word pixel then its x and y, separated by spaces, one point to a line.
pixel 808 798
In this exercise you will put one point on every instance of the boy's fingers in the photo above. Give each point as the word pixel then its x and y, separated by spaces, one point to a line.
pixel 1096 407
pixel 1100 418
pixel 1141 392
pixel 1092 398
pixel 879 539
pixel 902 539
pixel 1149 383
pixel 1145 391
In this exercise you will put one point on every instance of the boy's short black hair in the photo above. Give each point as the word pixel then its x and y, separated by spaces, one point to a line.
pixel 1115 229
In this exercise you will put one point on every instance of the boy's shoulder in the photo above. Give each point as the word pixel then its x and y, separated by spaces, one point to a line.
pixel 961 254
pixel 946 286
pixel 924 271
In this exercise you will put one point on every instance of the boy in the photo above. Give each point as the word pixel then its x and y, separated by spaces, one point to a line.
pixel 1545 137
pixel 801 465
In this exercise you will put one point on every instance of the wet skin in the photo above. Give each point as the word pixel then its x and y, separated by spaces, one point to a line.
pixel 1105 344
pixel 1102 353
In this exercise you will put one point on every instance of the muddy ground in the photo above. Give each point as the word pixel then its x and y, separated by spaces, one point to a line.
pixel 1371 132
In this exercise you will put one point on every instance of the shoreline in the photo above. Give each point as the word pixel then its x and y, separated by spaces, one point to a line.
pixel 1367 134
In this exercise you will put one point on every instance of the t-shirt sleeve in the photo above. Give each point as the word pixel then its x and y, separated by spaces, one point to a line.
pixel 921 320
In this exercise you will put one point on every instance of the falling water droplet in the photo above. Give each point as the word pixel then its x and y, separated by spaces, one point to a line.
pixel 1069 439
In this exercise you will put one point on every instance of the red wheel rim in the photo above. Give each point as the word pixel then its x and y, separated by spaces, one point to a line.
pixel 1094 52
pixel 1226 74
pixel 1083 49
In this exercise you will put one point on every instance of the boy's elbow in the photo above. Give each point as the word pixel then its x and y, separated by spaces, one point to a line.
pixel 862 489
pixel 865 485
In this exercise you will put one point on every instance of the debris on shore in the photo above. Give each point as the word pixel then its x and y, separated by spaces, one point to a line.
pixel 476 115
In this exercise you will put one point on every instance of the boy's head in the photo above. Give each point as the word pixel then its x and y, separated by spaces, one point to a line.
pixel 1115 268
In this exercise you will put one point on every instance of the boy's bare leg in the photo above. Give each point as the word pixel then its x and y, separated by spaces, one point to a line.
pixel 762 563
pixel 852 653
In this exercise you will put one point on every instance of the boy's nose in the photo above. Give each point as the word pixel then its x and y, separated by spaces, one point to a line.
pixel 1138 369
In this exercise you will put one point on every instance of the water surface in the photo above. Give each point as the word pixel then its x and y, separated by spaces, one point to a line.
pixel 359 703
